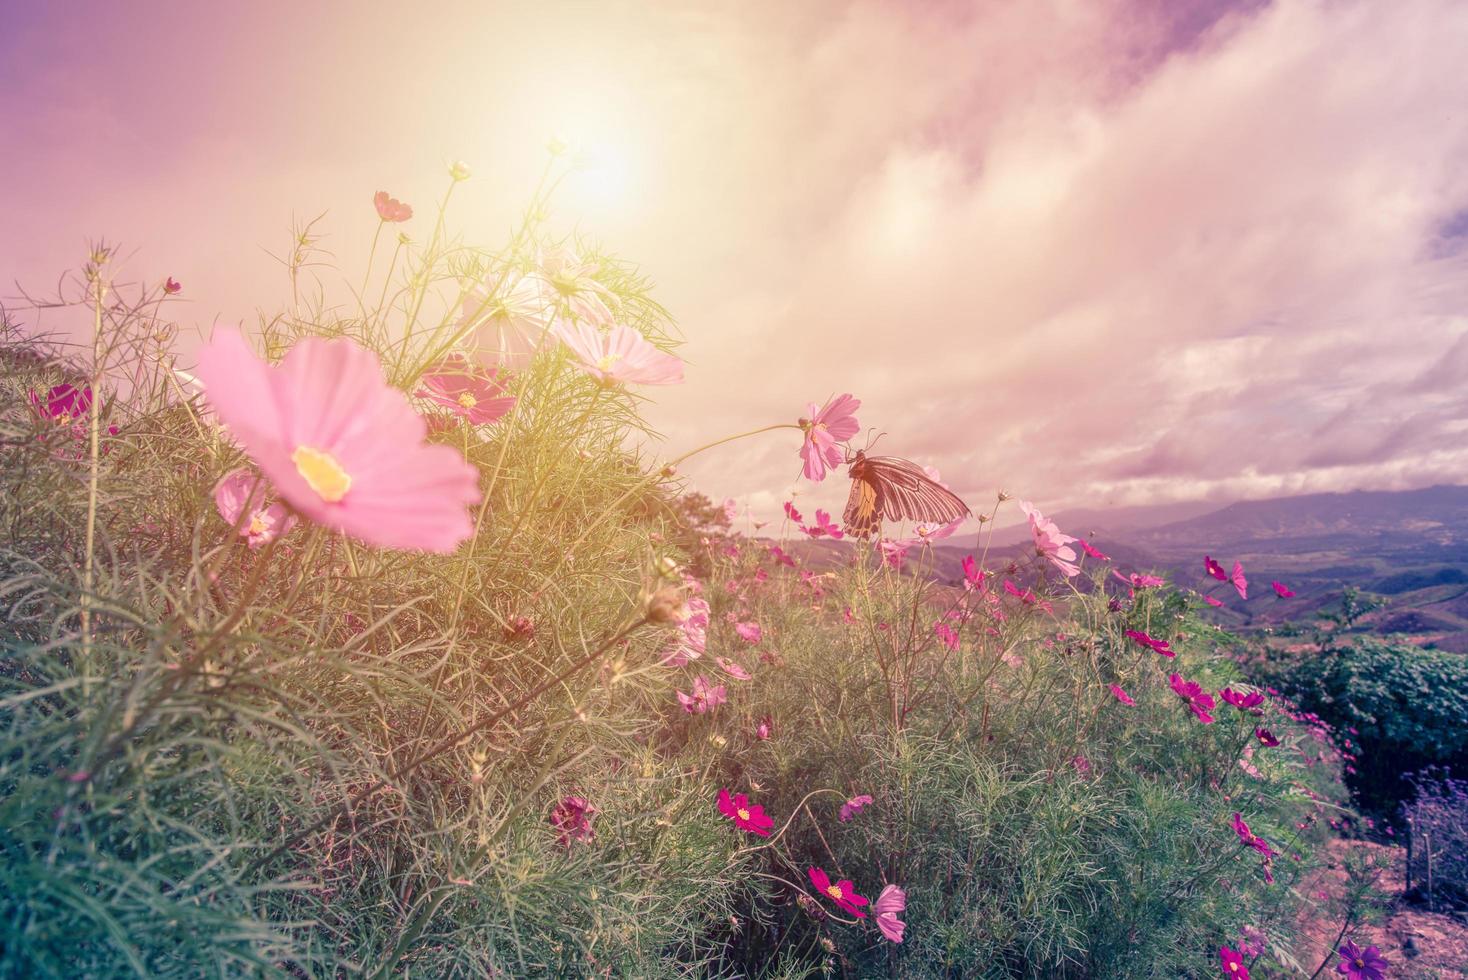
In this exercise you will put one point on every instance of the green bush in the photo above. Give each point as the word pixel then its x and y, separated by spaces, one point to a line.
pixel 1404 706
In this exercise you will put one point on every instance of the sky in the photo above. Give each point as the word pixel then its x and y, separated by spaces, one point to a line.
pixel 1093 252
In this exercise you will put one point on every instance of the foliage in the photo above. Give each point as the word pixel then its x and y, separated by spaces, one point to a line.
pixel 1404 705
pixel 322 759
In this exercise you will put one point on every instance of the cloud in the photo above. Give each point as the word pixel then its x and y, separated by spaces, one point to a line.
pixel 1093 253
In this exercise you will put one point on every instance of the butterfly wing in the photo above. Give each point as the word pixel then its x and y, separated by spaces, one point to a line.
pixel 863 514
pixel 907 493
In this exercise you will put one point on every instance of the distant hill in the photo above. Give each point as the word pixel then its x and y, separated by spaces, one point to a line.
pixel 1407 549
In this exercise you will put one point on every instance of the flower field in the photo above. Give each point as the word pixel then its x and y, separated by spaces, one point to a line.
pixel 382 638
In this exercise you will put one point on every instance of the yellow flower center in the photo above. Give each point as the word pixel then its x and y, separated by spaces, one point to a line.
pixel 605 363
pixel 1360 962
pixel 468 400
pixel 834 891
pixel 257 523
pixel 63 418
pixel 743 813
pixel 322 473
pixel 1233 968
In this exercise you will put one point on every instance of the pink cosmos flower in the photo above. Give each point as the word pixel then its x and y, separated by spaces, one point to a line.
pixel 763 730
pixel 390 208
pixel 1266 738
pixel 791 512
pixel 973 576
pixel 825 527
pixel 1049 542
pixel 888 906
pixel 620 355
pixel 470 393
pixel 1233 964
pixel 339 444
pixel 573 283
pixel 781 558
pixel 945 633
pixel 1214 568
pixel 1216 603
pixel 572 820
pixel 1361 964
pixel 894 553
pixel 749 632
pixel 1121 695
pixel 825 427
pixel 1282 590
pixel 1243 700
pixel 692 638
pixel 1239 582
pixel 746 815
pixel 506 329
pixel 924 533
pixel 841 892
pixel 853 806
pixel 733 669
pixel 1159 646
pixel 1094 552
pixel 703 699
pixel 1196 698
pixel 171 286
pixel 1137 580
pixel 240 499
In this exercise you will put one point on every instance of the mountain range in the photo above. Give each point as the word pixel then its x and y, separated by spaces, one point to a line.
pixel 1405 551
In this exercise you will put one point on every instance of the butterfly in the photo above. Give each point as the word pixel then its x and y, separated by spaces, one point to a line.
pixel 895 489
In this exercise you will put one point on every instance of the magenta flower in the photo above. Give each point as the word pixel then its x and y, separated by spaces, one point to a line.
pixel 1049 542
pixel 1214 568
pixel 973 576
pixel 620 355
pixel 853 806
pixel 841 892
pixel 1239 582
pixel 1196 698
pixel 64 404
pixel 746 815
pixel 791 512
pixel 733 669
pixel 572 820
pixel 781 558
pixel 1093 551
pixel 888 906
pixel 1233 963
pixel 749 632
pixel 1242 700
pixel 1266 738
pixel 390 208
pixel 833 423
pixel 894 553
pixel 945 633
pixel 1361 964
pixel 171 286
pixel 1137 580
pixel 240 499
pixel 470 393
pixel 1216 603
pixel 763 730
pixel 1159 646
pixel 825 527
pixel 339 444
pixel 1282 590
pixel 703 699
pixel 1121 695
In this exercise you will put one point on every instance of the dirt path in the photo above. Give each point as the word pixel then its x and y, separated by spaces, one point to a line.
pixel 1421 945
